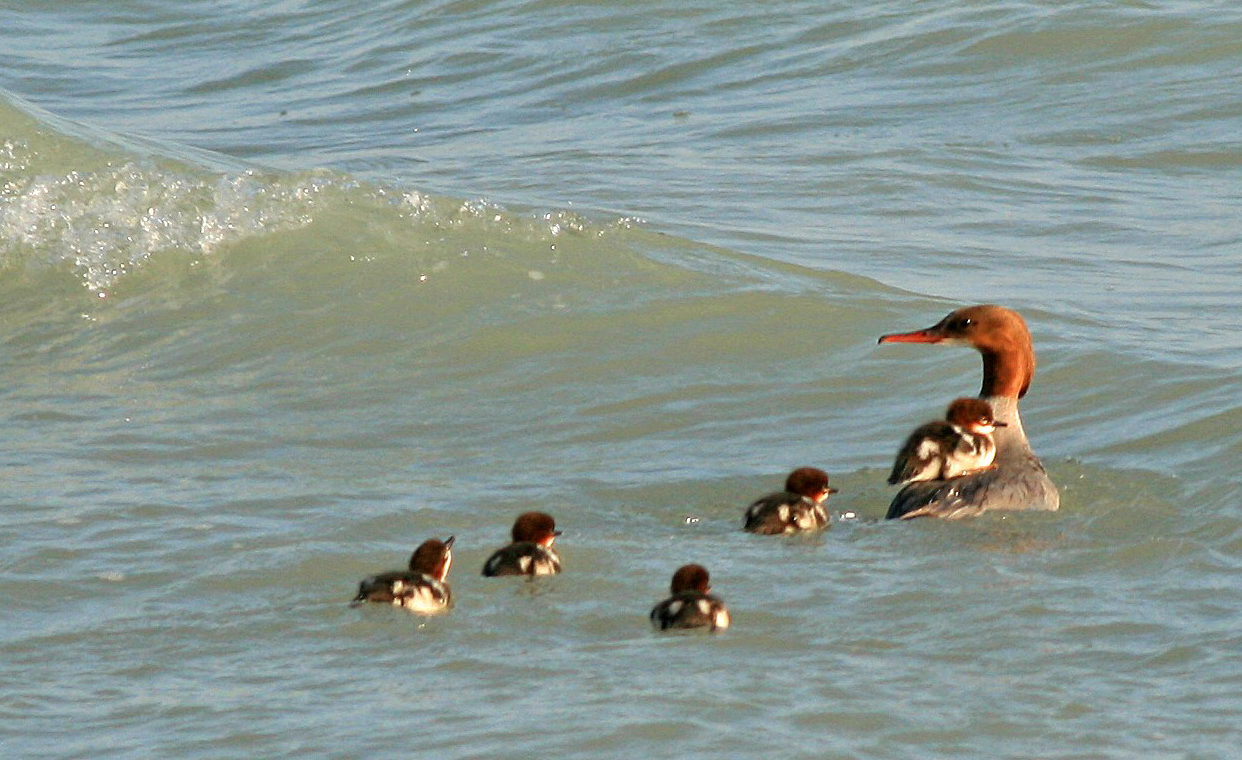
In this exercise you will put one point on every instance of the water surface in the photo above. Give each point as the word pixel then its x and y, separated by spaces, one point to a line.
pixel 290 287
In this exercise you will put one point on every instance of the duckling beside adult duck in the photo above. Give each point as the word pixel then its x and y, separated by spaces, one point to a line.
pixel 1017 479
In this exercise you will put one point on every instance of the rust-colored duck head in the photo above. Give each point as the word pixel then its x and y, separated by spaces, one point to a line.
pixel 1000 335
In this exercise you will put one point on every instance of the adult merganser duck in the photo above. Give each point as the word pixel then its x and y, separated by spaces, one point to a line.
pixel 690 606
pixel 422 588
pixel 942 449
pixel 799 508
pixel 531 552
pixel 1018 479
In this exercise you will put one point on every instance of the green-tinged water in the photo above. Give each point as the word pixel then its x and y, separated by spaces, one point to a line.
pixel 287 288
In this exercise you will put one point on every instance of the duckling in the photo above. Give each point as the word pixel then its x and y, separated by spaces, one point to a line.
pixel 691 605
pixel 531 551
pixel 423 588
pixel 799 508
pixel 942 449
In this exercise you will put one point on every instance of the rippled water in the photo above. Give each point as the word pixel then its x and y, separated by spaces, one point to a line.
pixel 287 288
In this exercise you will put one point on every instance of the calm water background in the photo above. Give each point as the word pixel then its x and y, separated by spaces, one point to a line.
pixel 287 287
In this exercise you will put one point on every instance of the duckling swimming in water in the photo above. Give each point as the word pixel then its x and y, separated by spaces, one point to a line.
pixel 531 551
pixel 797 509
pixel 423 588
pixel 691 605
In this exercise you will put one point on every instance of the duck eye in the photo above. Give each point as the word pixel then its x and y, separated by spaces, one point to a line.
pixel 961 323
